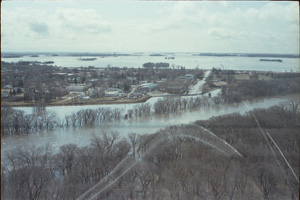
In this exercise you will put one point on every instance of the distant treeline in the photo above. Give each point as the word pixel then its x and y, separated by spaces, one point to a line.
pixel 11 56
pixel 152 65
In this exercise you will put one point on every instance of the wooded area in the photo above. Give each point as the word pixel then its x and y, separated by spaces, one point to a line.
pixel 225 157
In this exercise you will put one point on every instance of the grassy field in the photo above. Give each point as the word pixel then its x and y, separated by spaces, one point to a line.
pixel 247 77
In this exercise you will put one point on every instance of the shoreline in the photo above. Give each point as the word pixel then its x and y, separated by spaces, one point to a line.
pixel 99 102
pixel 141 100
pixel 104 102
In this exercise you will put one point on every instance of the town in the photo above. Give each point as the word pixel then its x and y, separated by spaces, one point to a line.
pixel 26 83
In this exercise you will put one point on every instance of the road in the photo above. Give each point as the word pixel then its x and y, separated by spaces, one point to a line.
pixel 197 88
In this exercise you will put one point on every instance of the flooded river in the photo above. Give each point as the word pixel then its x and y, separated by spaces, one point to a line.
pixel 83 136
pixel 188 60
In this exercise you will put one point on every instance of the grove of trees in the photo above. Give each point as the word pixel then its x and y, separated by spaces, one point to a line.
pixel 15 122
pixel 180 162
pixel 249 90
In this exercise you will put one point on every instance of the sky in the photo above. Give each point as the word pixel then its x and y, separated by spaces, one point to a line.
pixel 150 26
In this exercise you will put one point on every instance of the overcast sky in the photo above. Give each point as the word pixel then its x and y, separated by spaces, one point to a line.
pixel 148 26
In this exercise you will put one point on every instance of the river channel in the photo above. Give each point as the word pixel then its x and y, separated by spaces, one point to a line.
pixel 83 136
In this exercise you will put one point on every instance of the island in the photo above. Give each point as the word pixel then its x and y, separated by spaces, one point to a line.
pixel 87 59
pixel 48 62
pixel 271 60
pixel 171 57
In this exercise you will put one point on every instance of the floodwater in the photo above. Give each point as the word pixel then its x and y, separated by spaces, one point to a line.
pixel 83 136
pixel 186 60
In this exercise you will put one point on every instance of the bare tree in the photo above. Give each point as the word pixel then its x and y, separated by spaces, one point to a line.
pixel 29 175
pixel 65 160
pixel 49 118
pixel 146 178
pixel 133 137
pixel 266 181
pixel 294 103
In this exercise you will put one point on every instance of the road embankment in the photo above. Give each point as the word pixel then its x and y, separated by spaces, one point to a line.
pixel 97 101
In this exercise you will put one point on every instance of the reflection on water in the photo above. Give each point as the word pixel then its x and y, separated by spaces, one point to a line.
pixel 83 136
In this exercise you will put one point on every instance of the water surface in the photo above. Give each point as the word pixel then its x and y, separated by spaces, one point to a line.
pixel 187 60
pixel 82 136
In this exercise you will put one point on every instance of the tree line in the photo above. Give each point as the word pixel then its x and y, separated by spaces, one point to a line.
pixel 91 117
pixel 168 106
pixel 251 89
pixel 156 65
pixel 15 122
pixel 177 162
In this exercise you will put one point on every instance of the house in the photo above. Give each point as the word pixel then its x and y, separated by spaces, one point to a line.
pixel 83 97
pixel 149 86
pixel 113 92
pixel 143 82
pixel 189 77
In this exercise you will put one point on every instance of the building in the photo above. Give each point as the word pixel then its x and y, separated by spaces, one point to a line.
pixel 148 86
pixel 113 92
pixel 83 97
pixel 143 82
pixel 189 76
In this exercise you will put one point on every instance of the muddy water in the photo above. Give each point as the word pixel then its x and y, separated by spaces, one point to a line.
pixel 83 136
